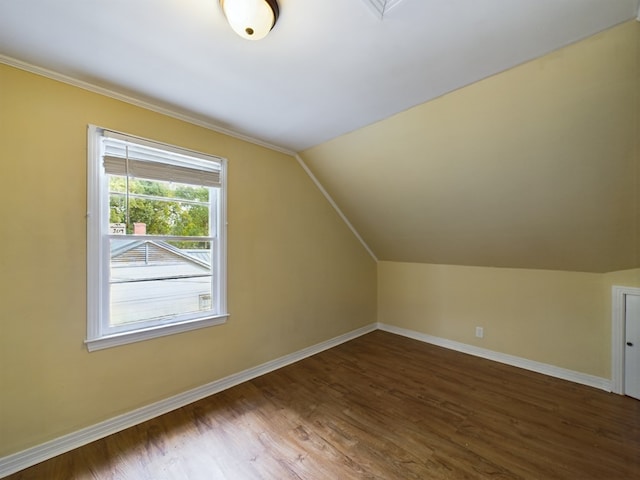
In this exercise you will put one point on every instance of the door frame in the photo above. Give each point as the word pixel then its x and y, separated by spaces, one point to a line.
pixel 618 301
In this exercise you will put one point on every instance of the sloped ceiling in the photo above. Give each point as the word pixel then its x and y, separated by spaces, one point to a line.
pixel 473 177
pixel 537 167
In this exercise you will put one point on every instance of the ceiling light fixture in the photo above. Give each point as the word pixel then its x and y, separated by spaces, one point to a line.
pixel 251 19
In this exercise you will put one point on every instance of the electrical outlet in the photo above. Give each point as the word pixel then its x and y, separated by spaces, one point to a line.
pixel 479 332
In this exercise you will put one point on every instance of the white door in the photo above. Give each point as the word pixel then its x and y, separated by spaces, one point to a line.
pixel 632 346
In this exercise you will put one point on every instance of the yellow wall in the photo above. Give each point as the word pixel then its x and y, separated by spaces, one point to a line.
pixel 555 317
pixel 297 275
pixel 624 278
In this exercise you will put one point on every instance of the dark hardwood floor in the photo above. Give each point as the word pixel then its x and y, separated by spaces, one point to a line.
pixel 378 407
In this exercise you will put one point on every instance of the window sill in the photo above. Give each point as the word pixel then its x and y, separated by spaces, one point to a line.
pixel 109 341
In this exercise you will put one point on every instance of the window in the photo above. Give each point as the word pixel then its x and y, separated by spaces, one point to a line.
pixel 155 239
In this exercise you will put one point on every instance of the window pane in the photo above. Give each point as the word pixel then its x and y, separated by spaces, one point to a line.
pixel 156 280
pixel 158 207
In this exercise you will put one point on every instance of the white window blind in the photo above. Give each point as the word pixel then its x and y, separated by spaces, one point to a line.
pixel 128 156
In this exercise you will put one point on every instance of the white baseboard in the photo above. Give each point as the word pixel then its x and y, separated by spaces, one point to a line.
pixel 539 367
pixel 27 458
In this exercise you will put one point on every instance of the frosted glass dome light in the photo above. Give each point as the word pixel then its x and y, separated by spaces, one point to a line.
pixel 251 19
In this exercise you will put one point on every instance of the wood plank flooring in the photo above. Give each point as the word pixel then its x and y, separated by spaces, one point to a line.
pixel 378 407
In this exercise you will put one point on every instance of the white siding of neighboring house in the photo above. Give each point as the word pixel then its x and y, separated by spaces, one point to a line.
pixel 143 291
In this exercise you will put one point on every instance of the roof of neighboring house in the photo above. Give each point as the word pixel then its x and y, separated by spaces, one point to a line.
pixel 129 251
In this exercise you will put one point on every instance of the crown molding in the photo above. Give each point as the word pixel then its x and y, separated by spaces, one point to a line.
pixel 185 117
pixel 329 199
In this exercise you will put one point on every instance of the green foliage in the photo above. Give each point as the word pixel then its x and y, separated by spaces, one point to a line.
pixel 161 206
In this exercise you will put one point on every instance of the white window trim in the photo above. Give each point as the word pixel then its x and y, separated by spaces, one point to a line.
pixel 97 259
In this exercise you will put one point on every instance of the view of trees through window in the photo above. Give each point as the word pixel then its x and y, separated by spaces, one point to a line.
pixel 165 208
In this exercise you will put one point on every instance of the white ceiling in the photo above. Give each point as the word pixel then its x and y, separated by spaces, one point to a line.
pixel 327 68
